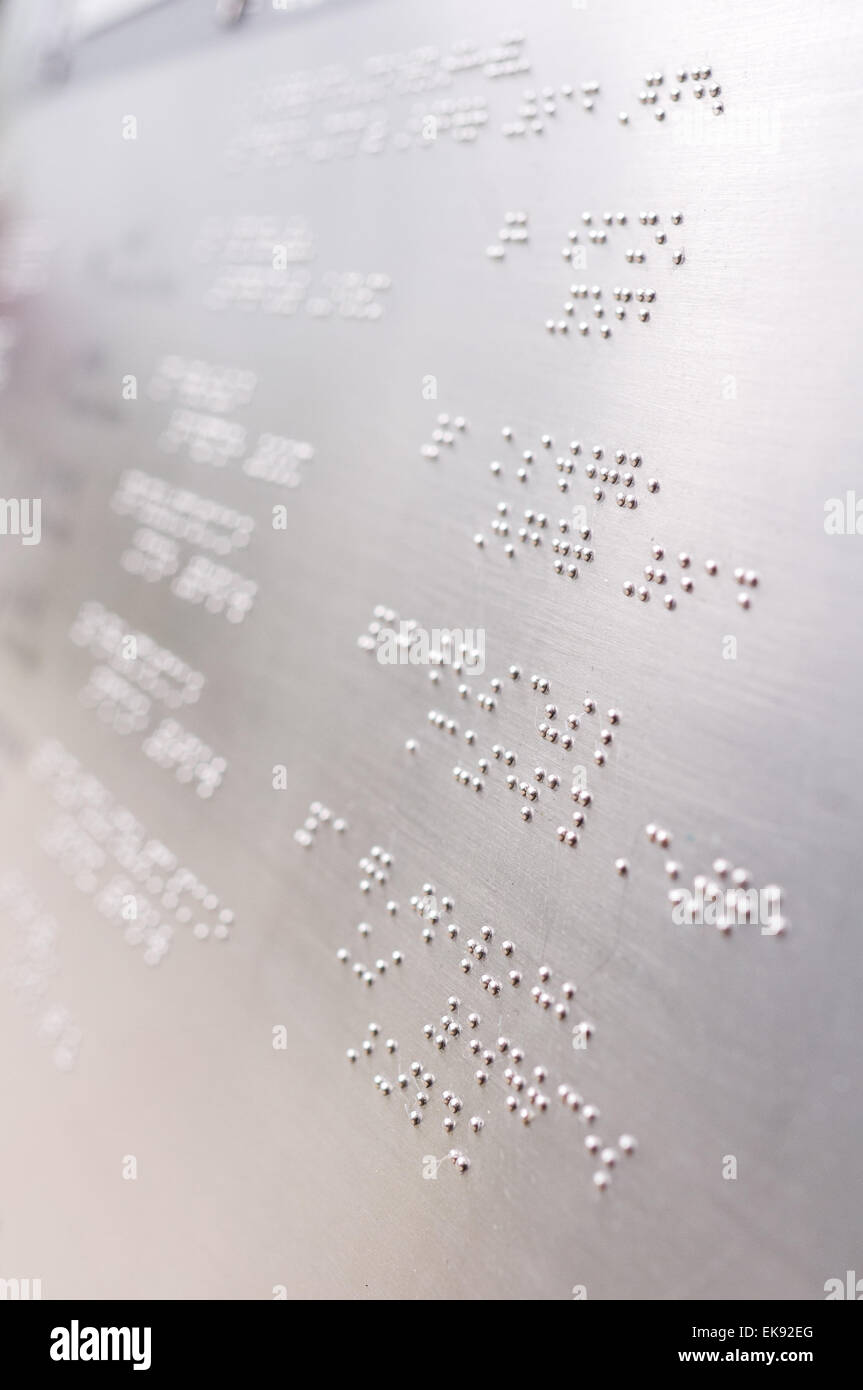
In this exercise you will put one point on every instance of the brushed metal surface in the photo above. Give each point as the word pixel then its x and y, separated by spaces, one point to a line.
pixel 263 1168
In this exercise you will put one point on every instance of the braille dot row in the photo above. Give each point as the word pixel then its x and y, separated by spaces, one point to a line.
pixel 318 815
pixel 748 579
pixel 537 1100
pixel 702 84
pixel 445 433
pixel 513 232
pixel 528 119
pixel 711 890
pixel 449 1028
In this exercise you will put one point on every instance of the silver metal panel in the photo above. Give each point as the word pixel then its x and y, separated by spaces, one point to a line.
pixel 242 282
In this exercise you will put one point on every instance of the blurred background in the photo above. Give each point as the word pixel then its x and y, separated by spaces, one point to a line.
pixel 329 319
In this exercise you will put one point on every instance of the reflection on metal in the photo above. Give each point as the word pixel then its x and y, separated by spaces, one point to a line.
pixel 428 732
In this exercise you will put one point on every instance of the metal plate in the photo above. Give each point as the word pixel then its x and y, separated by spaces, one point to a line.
pixel 276 348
